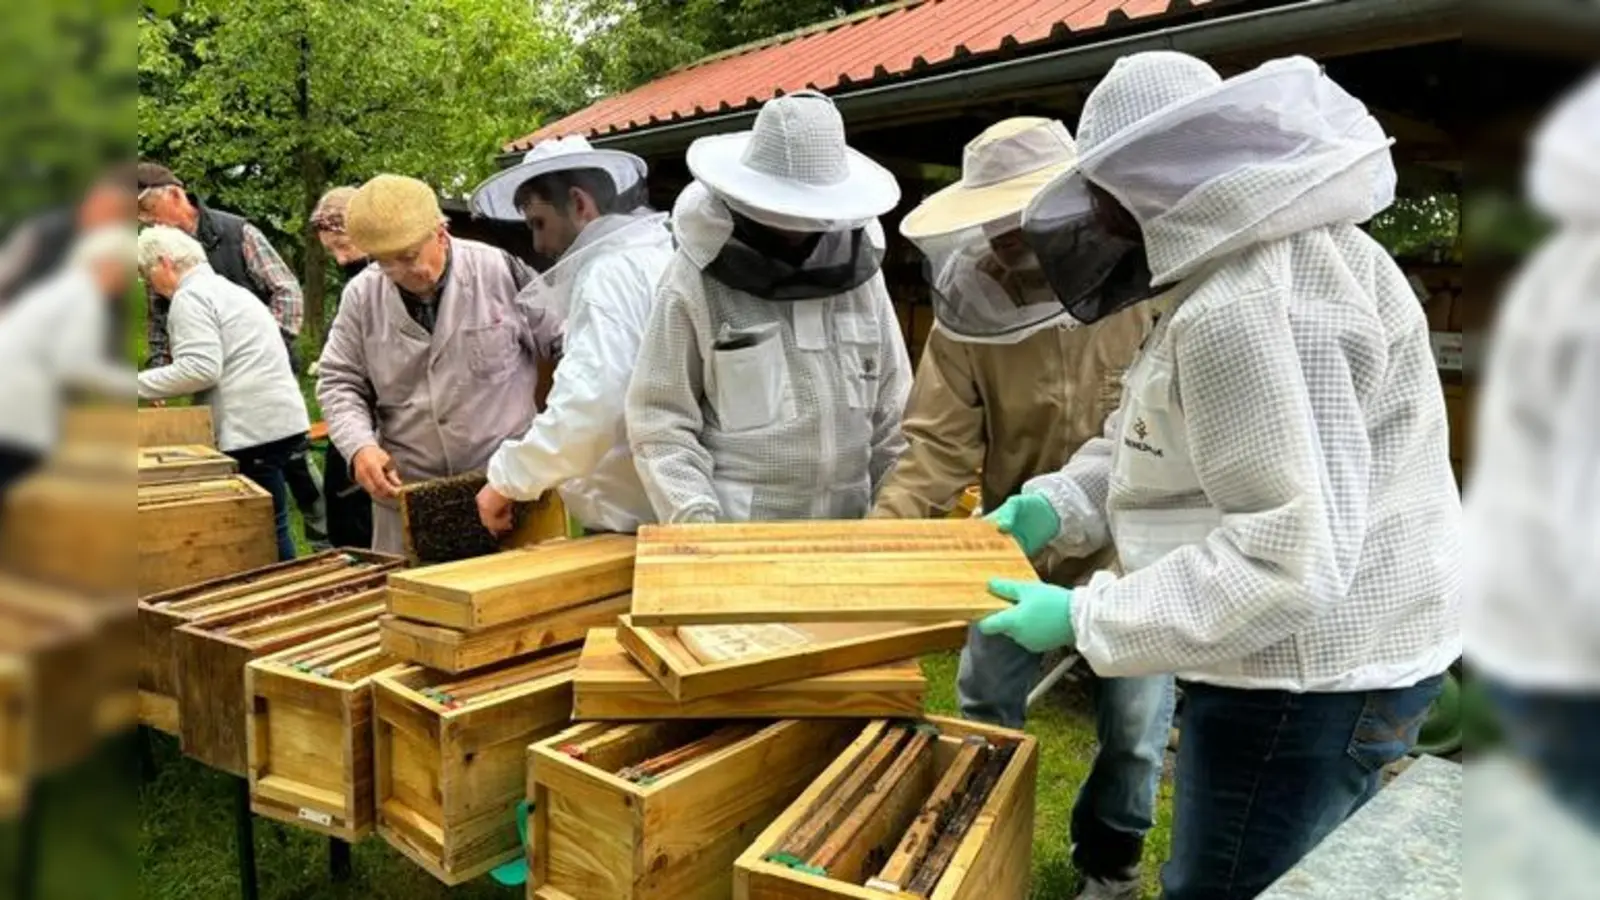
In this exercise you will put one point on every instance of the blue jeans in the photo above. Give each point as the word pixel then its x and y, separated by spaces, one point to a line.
pixel 1556 733
pixel 266 465
pixel 1117 804
pixel 1263 776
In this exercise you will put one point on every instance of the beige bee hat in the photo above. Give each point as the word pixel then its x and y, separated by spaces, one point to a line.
pixel 391 213
pixel 1001 170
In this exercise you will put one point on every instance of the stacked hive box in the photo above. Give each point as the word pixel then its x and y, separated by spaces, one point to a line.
pixel 491 641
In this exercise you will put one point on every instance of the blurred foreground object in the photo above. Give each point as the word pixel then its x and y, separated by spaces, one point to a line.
pixel 1534 501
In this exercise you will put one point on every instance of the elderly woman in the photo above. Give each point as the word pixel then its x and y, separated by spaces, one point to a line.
pixel 328 222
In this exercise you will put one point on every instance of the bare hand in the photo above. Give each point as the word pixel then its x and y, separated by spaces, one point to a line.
pixel 375 472
pixel 494 510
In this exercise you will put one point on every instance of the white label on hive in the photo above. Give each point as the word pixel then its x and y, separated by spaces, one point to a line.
pixel 320 818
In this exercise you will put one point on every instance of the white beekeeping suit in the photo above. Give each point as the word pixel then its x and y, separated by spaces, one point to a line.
pixel 1533 500
pixel 772 379
pixel 603 288
pixel 1276 479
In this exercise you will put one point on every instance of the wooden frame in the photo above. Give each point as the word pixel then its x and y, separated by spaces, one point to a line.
pixel 449 650
pixel 536 521
pixel 159 615
pixel 183 462
pixel 211 654
pixel 596 836
pixel 517 584
pixel 16 734
pixel 931 570
pixel 993 859
pixel 167 425
pixel 840 648
pixel 610 686
pixel 197 530
pixel 74 529
pixel 309 734
pixel 448 779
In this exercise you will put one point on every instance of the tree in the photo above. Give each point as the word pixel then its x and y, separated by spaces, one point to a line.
pixel 629 42
pixel 260 105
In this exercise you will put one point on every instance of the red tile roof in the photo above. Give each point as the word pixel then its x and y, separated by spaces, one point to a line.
pixel 875 45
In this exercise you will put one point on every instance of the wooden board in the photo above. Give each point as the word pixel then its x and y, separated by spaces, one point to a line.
pixel 871 570
pixel 608 685
pixel 193 531
pixel 595 836
pixel 448 779
pixel 833 647
pixel 516 584
pixel 183 462
pixel 993 859
pixel 73 530
pixel 309 733
pixel 168 425
pixel 449 650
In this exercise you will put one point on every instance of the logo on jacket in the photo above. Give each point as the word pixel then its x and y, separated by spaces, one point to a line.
pixel 1143 431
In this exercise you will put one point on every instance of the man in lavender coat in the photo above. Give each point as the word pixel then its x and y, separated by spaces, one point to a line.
pixel 430 363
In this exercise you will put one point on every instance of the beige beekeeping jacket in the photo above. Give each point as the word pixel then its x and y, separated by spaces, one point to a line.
pixel 1013 410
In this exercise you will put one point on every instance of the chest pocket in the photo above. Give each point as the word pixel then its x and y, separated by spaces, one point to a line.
pixel 751 378
pixel 860 358
pixel 491 350
pixel 1152 449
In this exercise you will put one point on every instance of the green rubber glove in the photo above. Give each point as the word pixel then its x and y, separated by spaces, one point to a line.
pixel 1030 519
pixel 1040 620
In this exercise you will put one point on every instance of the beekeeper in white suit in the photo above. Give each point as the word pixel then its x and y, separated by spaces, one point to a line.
pixel 1276 479
pixel 773 374
pixel 586 208
pixel 1533 496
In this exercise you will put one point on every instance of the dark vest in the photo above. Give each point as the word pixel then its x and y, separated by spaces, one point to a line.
pixel 222 236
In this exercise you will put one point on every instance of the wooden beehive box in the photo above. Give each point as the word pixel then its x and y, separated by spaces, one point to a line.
pixel 183 462
pixel 610 686
pixel 159 615
pixel 450 758
pixel 73 530
pixel 479 593
pixel 16 700
pixel 309 732
pixel 453 651
pixel 211 653
pixel 931 570
pixel 197 530
pixel 991 860
pixel 696 661
pixel 168 425
pixel 594 835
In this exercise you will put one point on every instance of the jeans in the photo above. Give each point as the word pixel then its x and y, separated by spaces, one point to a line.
pixel 1263 776
pixel 1556 733
pixel 349 509
pixel 266 465
pixel 1117 804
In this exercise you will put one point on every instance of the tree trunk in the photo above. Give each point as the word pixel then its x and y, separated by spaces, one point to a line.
pixel 313 178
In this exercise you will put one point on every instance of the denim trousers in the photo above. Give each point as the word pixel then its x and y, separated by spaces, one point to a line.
pixel 267 465
pixel 1116 805
pixel 1556 733
pixel 1263 776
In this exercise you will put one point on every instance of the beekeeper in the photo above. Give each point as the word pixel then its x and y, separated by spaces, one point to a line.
pixel 1533 496
pixel 1010 385
pixel 1276 479
pixel 773 373
pixel 430 363
pixel 586 210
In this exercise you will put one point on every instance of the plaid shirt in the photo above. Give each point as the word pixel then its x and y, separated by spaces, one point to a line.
pixel 268 270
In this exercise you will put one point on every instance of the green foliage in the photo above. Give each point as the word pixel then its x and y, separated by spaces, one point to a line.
pixel 629 42
pixel 259 105
pixel 1418 227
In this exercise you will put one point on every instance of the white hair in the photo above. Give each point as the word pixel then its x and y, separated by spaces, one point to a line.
pixel 160 242
pixel 108 243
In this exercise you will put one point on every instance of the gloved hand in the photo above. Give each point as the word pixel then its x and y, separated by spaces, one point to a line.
pixel 1030 519
pixel 1040 620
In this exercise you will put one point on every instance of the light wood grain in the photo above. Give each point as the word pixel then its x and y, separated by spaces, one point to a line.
pixel 834 647
pixel 516 584
pixel 871 570
pixel 167 425
pixel 608 685
pixel 452 650
pixel 182 462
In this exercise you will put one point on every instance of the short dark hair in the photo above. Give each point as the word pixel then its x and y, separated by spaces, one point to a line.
pixel 153 175
pixel 555 188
